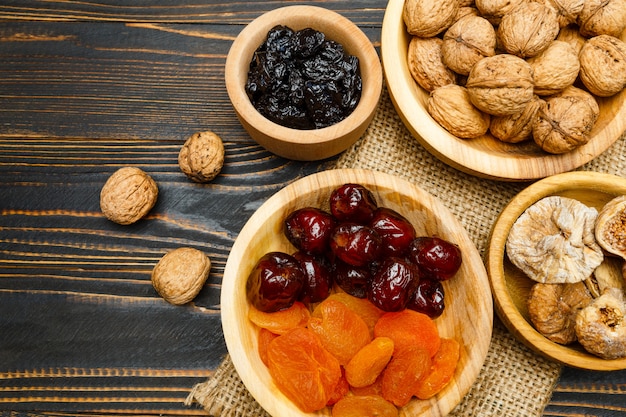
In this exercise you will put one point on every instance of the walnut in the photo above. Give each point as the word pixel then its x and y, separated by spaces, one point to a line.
pixel 553 241
pixel 528 29
pixel 451 107
pixel 493 10
pixel 553 309
pixel 555 68
pixel 566 10
pixel 516 127
pixel 501 85
pixel 426 18
pixel 202 156
pixel 180 274
pixel 603 65
pixel 128 195
pixel 565 120
pixel 466 42
pixel 601 326
pixel 425 63
pixel 571 35
pixel 602 17
pixel 610 227
pixel 465 11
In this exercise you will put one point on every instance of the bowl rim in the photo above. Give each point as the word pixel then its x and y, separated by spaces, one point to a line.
pixel 476 332
pixel 248 40
pixel 502 165
pixel 495 255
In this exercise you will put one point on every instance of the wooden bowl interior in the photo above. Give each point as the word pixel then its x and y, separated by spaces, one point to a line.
pixel 304 144
pixel 510 286
pixel 485 156
pixel 468 316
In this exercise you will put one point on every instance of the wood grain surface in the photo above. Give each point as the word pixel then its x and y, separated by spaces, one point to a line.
pixel 86 88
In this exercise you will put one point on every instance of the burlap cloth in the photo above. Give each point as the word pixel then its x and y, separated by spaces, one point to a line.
pixel 513 379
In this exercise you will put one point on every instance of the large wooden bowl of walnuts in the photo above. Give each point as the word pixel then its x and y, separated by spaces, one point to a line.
pixel 492 98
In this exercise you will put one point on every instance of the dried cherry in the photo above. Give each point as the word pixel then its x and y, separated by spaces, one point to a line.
pixel 275 282
pixel 355 244
pixel 309 229
pixel 428 298
pixel 394 229
pixel 353 203
pixel 436 257
pixel 318 279
pixel 393 284
pixel 352 279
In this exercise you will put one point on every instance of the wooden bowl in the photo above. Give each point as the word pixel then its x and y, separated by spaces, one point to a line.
pixel 305 145
pixel 485 156
pixel 510 286
pixel 468 316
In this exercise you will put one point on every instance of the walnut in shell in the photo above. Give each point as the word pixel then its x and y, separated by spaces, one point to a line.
pixel 610 227
pixel 180 274
pixel 128 195
pixel 451 107
pixel 553 241
pixel 501 85
pixel 565 120
pixel 555 68
pixel 425 63
pixel 493 10
pixel 202 156
pixel 516 127
pixel 571 35
pixel 466 42
pixel 566 10
pixel 603 65
pixel 528 29
pixel 602 17
pixel 426 18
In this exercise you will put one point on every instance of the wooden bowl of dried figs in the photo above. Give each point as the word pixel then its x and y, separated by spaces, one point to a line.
pixel 473 148
pixel 553 303
pixel 468 313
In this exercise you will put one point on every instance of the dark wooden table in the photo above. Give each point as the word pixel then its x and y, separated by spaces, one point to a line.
pixel 87 88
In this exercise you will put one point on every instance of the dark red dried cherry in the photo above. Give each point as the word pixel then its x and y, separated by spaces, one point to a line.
pixel 355 244
pixel 393 284
pixel 318 279
pixel 309 229
pixel 352 279
pixel 428 298
pixel 275 282
pixel 436 257
pixel 352 203
pixel 394 229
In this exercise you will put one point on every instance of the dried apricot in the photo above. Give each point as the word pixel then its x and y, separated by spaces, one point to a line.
pixel 302 369
pixel 374 389
pixel 361 306
pixel 364 406
pixel 342 332
pixel 341 389
pixel 408 328
pixel 442 369
pixel 402 375
pixel 368 363
pixel 264 339
pixel 280 322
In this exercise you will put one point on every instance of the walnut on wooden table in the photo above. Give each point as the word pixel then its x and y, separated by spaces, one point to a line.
pixel 128 195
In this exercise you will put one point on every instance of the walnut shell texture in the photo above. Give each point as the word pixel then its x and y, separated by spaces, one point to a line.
pixel 501 84
pixel 528 29
pixel 426 18
pixel 425 63
pixel 451 107
pixel 493 10
pixel 202 156
pixel 180 274
pixel 128 195
pixel 466 42
pixel 602 17
pixel 566 10
pixel 516 127
pixel 603 65
pixel 555 68
pixel 571 35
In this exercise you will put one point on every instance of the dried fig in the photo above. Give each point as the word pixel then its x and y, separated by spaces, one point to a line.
pixel 603 65
pixel 425 63
pixel 610 227
pixel 466 42
pixel 528 29
pixel 426 18
pixel 555 68
pixel 451 107
pixel 602 17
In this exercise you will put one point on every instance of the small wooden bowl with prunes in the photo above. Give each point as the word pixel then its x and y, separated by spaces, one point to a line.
pixel 304 82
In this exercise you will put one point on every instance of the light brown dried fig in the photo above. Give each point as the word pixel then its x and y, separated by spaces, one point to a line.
pixel 466 42
pixel 493 10
pixel 128 195
pixel 607 275
pixel 564 121
pixel 180 274
pixel 566 10
pixel 555 68
pixel 610 228
pixel 451 107
pixel 603 65
pixel 602 17
pixel 426 18
pixel 528 29
pixel 501 85
pixel 517 127
pixel 202 156
pixel 425 63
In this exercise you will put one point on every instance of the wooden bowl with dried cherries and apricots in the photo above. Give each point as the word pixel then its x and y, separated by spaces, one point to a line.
pixel 340 283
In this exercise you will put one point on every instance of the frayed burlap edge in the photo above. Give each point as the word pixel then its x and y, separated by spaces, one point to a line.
pixel 513 380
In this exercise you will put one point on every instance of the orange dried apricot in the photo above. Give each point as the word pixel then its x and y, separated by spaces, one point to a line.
pixel 281 321
pixel 368 363
pixel 374 389
pixel 341 389
pixel 264 339
pixel 302 369
pixel 442 369
pixel 408 328
pixel 342 332
pixel 361 306
pixel 364 406
pixel 402 375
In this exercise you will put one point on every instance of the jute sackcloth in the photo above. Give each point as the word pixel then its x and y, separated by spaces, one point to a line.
pixel 513 380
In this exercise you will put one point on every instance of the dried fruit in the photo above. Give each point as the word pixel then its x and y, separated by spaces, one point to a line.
pixel 602 17
pixel 263 340
pixel 603 65
pixel 352 203
pixel 437 258
pixel 356 244
pixel 280 322
pixel 402 376
pixel 395 231
pixel 202 156
pixel 369 362
pixel 366 405
pixel 610 229
pixel 426 18
pixel 392 284
pixel 409 329
pixel 466 42
pixel 128 195
pixel 341 389
pixel 528 29
pixel 318 279
pixel 354 280
pixel 553 241
pixel 442 370
pixel 428 298
pixel 517 127
pixel 452 108
pixel 555 68
pixel 180 274
pixel 425 61
pixel 309 229
pixel 362 307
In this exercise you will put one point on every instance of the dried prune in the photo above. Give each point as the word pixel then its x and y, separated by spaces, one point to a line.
pixel 300 79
